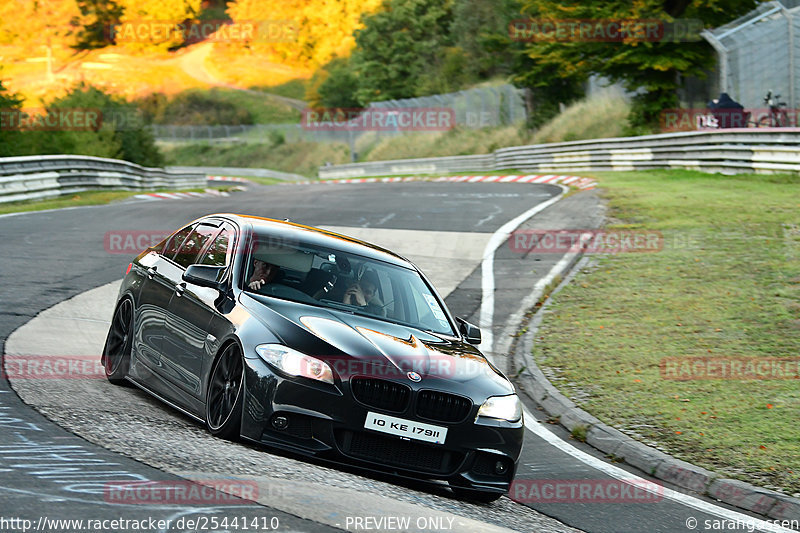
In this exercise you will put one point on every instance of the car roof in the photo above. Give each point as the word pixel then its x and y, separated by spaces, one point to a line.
pixel 320 237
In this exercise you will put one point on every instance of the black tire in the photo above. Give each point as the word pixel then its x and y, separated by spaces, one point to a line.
pixel 116 357
pixel 225 396
pixel 475 496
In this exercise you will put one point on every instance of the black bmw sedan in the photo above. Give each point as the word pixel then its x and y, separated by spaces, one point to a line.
pixel 317 343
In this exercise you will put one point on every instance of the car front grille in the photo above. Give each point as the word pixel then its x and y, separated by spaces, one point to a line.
pixel 391 451
pixel 381 394
pixel 442 407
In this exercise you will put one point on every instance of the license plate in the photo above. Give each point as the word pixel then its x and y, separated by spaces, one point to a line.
pixel 405 428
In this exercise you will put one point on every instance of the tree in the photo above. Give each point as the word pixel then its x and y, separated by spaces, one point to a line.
pixel 12 141
pixel 651 68
pixel 398 46
pixel 155 23
pixel 305 33
pixel 333 86
pixel 480 30
pixel 122 134
pixel 98 18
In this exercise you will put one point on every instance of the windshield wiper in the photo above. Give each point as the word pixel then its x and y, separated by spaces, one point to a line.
pixel 337 305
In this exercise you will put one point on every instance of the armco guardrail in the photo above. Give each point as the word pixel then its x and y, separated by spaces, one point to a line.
pixel 728 151
pixel 240 171
pixel 426 165
pixel 46 176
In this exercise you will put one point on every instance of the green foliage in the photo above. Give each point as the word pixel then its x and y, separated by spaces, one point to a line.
pixel 398 45
pixel 121 132
pixel 334 85
pixel 480 30
pixel 649 67
pixel 291 89
pixel 193 107
pixel 579 432
pixel 98 17
pixel 11 142
pixel 449 74
pixel 419 47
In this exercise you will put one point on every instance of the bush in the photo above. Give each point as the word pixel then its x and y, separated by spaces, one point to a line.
pixel 122 133
pixel 194 108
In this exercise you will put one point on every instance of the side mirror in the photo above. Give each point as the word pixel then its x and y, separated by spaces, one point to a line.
pixel 205 276
pixel 471 334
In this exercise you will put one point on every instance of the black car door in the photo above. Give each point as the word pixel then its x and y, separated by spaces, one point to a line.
pixel 154 297
pixel 188 343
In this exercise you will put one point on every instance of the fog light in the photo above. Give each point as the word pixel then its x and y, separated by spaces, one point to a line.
pixel 500 467
pixel 280 422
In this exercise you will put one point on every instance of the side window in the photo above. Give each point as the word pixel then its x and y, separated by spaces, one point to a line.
pixel 218 253
pixel 174 242
pixel 194 244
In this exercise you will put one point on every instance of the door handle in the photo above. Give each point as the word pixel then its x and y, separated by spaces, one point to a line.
pixel 179 289
pixel 151 272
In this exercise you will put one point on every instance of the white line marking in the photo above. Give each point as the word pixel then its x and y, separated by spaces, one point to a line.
pixel 530 300
pixel 623 475
pixel 487 269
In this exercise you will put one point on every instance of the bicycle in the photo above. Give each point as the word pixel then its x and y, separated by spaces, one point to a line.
pixel 777 118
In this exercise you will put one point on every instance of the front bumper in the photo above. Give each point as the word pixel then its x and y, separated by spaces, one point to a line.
pixel 327 421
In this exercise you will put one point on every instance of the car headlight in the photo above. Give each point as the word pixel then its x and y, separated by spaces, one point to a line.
pixel 295 363
pixel 502 407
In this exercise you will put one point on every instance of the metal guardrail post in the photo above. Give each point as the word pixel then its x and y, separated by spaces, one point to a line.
pixel 729 151
pixel 37 177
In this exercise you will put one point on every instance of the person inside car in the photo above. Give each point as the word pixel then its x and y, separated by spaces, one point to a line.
pixel 263 273
pixel 364 293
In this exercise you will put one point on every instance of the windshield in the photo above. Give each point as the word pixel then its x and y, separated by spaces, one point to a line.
pixel 330 278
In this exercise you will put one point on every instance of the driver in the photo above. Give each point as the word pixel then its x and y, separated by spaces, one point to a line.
pixel 263 273
pixel 364 293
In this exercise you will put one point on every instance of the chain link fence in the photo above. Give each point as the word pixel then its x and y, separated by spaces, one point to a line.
pixel 760 52
pixel 473 108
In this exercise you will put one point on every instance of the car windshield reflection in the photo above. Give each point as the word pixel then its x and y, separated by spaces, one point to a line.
pixel 330 278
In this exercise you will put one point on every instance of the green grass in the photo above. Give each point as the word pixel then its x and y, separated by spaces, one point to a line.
pixel 291 89
pixel 602 116
pixel 262 108
pixel 300 157
pixel 726 284
pixel 74 200
pixel 218 106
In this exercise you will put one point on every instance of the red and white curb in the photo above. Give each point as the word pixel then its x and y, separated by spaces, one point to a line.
pixel 227 178
pixel 572 181
pixel 179 195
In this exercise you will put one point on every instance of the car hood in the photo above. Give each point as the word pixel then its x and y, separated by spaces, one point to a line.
pixel 357 345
